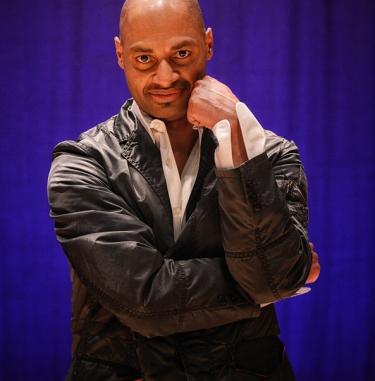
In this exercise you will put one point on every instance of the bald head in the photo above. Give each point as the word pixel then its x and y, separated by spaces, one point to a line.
pixel 190 9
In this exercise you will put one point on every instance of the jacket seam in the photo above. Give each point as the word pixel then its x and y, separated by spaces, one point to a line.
pixel 259 252
pixel 141 315
pixel 252 252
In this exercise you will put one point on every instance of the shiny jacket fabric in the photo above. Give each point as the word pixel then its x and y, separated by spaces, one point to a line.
pixel 190 309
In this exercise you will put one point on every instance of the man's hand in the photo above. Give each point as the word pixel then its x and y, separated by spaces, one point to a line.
pixel 315 266
pixel 210 102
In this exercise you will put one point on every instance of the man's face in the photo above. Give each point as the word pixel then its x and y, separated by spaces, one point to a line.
pixel 163 53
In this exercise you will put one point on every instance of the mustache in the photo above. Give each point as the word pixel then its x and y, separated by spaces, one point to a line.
pixel 180 84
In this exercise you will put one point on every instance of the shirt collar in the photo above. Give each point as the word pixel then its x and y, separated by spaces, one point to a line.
pixel 153 126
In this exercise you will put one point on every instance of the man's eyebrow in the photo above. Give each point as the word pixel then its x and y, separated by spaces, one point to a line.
pixel 178 45
pixel 183 43
pixel 139 48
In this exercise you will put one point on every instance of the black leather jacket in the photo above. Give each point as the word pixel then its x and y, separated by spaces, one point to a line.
pixel 135 290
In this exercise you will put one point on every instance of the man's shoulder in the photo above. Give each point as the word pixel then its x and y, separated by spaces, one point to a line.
pixel 277 147
pixel 106 135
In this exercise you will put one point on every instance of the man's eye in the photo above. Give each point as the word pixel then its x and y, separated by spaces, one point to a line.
pixel 183 54
pixel 143 59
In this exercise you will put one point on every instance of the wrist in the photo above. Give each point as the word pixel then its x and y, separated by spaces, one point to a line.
pixel 239 154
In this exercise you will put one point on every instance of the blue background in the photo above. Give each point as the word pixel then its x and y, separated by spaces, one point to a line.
pixel 305 68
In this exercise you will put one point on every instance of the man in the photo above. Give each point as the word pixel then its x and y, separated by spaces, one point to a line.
pixel 182 219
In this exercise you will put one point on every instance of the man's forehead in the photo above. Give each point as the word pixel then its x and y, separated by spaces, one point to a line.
pixel 166 29
pixel 173 43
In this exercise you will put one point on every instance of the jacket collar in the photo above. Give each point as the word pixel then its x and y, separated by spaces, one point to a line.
pixel 141 152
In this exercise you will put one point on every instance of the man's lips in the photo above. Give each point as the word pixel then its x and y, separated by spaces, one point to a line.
pixel 165 95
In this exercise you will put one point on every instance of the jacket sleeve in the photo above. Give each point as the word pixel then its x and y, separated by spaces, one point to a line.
pixel 264 221
pixel 113 253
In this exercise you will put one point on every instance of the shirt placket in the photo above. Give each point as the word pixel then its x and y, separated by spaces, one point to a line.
pixel 171 173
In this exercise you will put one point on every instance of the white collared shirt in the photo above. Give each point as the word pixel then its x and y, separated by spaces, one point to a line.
pixel 180 187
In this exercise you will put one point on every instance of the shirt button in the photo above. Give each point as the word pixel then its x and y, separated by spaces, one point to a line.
pixel 169 162
pixel 176 211
pixel 158 125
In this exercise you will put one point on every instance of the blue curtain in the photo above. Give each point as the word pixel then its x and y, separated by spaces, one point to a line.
pixel 305 68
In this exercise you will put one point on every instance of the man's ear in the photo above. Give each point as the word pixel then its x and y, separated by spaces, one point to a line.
pixel 209 40
pixel 119 52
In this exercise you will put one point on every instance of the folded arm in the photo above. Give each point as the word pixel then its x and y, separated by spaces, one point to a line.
pixel 264 220
pixel 115 256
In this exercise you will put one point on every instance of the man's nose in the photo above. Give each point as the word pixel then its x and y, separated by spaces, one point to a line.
pixel 165 75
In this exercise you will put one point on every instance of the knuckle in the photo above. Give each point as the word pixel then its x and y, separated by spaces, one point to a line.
pixel 192 103
pixel 194 94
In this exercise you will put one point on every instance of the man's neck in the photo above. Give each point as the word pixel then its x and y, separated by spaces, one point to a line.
pixel 183 138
